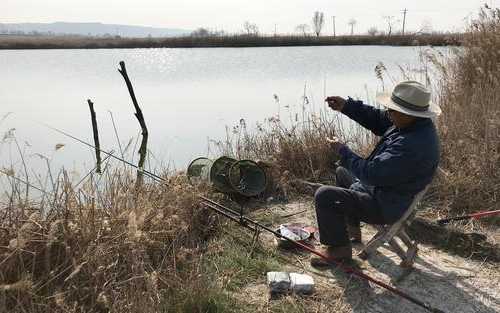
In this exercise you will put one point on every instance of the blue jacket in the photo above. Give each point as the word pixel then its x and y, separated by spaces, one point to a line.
pixel 401 165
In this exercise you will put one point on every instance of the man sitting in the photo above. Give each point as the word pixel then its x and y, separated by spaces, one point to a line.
pixel 378 189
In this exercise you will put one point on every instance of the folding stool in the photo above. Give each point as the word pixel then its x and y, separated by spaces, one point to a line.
pixel 386 236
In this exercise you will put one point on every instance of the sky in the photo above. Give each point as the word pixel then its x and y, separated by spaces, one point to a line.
pixel 229 15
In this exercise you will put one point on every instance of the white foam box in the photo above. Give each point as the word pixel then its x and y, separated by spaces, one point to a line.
pixel 301 283
pixel 278 282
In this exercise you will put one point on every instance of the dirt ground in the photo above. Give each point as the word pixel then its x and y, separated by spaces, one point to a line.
pixel 455 271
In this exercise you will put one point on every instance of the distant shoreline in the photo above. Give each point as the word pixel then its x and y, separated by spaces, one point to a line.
pixel 10 42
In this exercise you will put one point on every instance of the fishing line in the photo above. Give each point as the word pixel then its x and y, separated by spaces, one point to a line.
pixel 151 175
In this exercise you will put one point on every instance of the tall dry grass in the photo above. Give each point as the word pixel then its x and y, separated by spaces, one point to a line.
pixel 469 94
pixel 292 145
pixel 102 247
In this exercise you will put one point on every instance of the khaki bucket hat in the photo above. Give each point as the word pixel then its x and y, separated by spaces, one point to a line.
pixel 411 98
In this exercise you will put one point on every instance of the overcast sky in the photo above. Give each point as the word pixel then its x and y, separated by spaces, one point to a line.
pixel 230 15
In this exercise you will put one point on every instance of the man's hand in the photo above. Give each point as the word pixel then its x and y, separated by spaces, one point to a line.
pixel 335 103
pixel 335 144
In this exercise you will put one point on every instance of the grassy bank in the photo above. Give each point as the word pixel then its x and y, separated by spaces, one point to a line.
pixel 78 42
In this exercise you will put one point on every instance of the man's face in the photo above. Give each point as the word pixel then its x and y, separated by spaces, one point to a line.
pixel 400 120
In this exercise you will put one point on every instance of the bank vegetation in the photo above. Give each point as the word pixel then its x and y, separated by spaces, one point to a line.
pixel 247 40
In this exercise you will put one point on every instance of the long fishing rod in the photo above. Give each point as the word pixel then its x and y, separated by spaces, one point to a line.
pixel 251 224
pixel 477 215
pixel 152 175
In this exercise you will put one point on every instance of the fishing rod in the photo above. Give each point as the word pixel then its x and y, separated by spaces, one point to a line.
pixel 445 221
pixel 253 225
pixel 151 175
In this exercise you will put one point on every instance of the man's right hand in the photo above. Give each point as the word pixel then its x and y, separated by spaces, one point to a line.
pixel 335 103
pixel 335 144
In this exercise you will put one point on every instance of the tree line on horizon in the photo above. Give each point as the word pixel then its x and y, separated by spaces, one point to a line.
pixel 317 27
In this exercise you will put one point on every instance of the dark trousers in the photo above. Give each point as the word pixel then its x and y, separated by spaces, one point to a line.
pixel 337 206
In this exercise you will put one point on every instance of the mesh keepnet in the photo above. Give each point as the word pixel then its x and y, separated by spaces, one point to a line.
pixel 229 175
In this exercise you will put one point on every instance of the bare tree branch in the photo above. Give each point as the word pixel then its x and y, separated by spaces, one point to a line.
pixel 352 22
pixel 96 136
pixel 142 123
pixel 390 20
pixel 302 29
pixel 318 22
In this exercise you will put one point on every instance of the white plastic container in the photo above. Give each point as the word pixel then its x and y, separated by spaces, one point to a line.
pixel 283 282
pixel 278 282
pixel 301 283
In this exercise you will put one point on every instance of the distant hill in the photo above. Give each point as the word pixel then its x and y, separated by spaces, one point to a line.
pixel 91 29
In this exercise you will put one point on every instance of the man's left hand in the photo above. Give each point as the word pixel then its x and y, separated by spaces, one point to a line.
pixel 335 144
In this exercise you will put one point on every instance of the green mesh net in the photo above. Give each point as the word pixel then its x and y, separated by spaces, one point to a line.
pixel 247 178
pixel 219 174
pixel 229 175
pixel 199 170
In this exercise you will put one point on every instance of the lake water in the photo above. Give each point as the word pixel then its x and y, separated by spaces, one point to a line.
pixel 188 96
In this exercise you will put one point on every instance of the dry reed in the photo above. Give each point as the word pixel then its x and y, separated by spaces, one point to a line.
pixel 292 147
pixel 101 248
pixel 469 94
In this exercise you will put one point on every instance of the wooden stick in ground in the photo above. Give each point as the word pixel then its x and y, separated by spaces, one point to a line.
pixel 142 122
pixel 96 137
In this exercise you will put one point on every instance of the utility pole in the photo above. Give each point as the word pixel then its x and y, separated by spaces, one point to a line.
pixel 404 20
pixel 333 26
